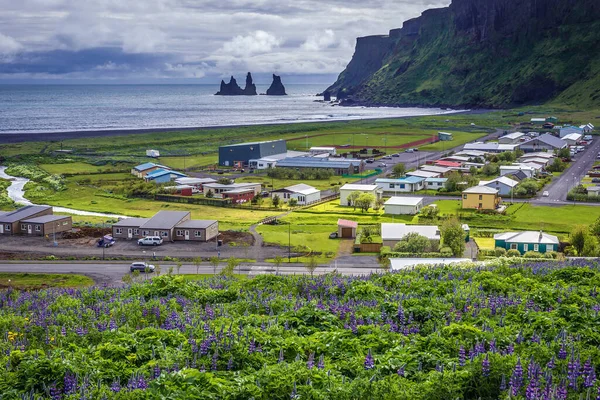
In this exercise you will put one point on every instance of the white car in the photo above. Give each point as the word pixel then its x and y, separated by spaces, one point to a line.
pixel 141 266
pixel 150 241
pixel 546 193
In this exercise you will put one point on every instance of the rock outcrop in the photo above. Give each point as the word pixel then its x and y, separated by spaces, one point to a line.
pixel 481 53
pixel 233 89
pixel 276 88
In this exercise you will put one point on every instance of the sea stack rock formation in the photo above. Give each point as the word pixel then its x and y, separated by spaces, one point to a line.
pixel 326 96
pixel 277 88
pixel 233 89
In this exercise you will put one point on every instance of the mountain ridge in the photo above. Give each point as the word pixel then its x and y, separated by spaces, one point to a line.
pixel 481 53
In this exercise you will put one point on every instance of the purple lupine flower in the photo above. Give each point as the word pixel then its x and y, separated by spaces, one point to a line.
pixel 70 383
pixel 115 386
pixel 551 364
pixel 252 346
pixel 461 356
pixel 156 371
pixel 531 392
pixel 503 383
pixel 311 361
pixel 294 393
pixel 573 372
pixel 230 363
pixel 485 366
pixel 401 371
pixel 516 380
pixel 589 373
pixel 561 391
pixel 321 363
pixel 562 352
pixel 215 358
pixel 54 392
pixel 369 361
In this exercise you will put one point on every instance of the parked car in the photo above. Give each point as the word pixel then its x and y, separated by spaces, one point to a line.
pixel 395 155
pixel 546 193
pixel 141 266
pixel 382 164
pixel 409 150
pixel 264 194
pixel 595 180
pixel 106 241
pixel 386 157
pixel 333 235
pixel 370 161
pixel 150 241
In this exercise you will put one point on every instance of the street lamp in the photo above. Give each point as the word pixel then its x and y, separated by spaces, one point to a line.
pixel 289 242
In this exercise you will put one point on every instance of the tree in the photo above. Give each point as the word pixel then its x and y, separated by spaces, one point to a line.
pixel 453 236
pixel 278 261
pixel 197 262
pixel 399 170
pixel 412 243
pixel 579 236
pixel 385 263
pixel 214 261
pixel 232 262
pixel 293 202
pixel 352 197
pixel 224 181
pixel 275 200
pixel 527 187
pixel 490 169
pixel 430 212
pixel 564 153
pixel 557 165
pixel 311 264
pixel 595 228
pixel 210 194
pixel 454 178
pixel 365 201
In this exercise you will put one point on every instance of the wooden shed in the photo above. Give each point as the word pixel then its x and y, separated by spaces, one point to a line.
pixel 347 229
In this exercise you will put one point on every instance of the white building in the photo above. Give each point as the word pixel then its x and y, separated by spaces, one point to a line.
pixel 511 169
pixel 152 153
pixel 392 233
pixel 435 183
pixel 403 205
pixel 572 139
pixel 218 188
pixel 511 138
pixel 490 147
pixel 408 184
pixel 304 194
pixel 348 188
pixel 196 183
pixel 503 185
pixel 271 161
pixel 434 168
pixel 424 174
pixel 322 150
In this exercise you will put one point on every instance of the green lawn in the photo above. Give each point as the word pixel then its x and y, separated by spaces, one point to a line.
pixel 83 168
pixel 181 163
pixel 485 243
pixel 315 237
pixel 459 138
pixel 25 281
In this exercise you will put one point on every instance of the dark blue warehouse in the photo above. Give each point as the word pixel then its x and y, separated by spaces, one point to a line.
pixel 239 154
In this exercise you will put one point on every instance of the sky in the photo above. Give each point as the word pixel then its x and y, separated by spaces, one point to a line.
pixel 189 41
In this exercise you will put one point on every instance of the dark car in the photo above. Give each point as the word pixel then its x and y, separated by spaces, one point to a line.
pixel 264 194
pixel 333 235
pixel 141 266
pixel 595 180
pixel 106 241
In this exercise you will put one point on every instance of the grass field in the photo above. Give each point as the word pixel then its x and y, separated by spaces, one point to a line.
pixel 192 161
pixel 314 237
pixel 24 281
pixel 82 168
pixel 485 243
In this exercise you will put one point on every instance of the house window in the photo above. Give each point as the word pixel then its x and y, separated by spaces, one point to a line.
pixel 7 227
pixel 164 234
pixel 65 222
pixel 402 186
pixel 513 246
pixel 136 231
pixel 525 247
pixel 23 227
pixel 118 231
pixel 549 247
pixel 38 228
pixel 391 185
pixel 464 196
pixel 145 233
pixel 198 234
pixel 536 247
pixel 179 233
pixel 480 205
pixel 480 197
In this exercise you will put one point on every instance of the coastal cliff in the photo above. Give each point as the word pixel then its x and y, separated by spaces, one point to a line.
pixel 276 88
pixel 481 53
pixel 233 89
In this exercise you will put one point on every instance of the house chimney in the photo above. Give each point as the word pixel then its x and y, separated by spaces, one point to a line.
pixel 540 239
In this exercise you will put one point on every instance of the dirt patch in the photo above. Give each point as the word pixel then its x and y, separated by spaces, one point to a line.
pixel 87 232
pixel 236 237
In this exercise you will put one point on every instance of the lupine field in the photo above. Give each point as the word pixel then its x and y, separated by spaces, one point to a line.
pixel 529 331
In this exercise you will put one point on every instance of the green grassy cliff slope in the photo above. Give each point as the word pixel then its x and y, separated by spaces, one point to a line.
pixel 482 53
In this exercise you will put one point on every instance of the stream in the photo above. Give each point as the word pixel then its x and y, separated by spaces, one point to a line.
pixel 17 194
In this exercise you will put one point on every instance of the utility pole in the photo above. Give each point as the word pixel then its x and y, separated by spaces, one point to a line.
pixel 289 242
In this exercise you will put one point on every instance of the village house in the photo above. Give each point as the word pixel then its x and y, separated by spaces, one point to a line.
pixel 593 191
pixel 527 241
pixel 511 138
pixel 491 147
pixel 424 174
pixel 511 169
pixel 545 142
pixel 163 176
pixel 403 205
pixel 142 170
pixel 349 188
pixel 443 171
pixel 503 185
pixel 435 183
pixel 407 184
pixel 445 136
pixel 218 189
pixel 239 195
pixel 573 139
pixel 480 198
pixel 196 183
pixel 392 233
pixel 304 194
pixel 567 130
pixel 339 166
pixel 33 220
pixel 240 154
pixel 169 225
pixel 346 228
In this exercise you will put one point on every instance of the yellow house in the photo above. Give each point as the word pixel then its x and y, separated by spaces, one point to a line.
pixel 480 198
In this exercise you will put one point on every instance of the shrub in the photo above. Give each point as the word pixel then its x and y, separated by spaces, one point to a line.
pixel 513 253
pixel 446 252
pixel 499 252
pixel 532 254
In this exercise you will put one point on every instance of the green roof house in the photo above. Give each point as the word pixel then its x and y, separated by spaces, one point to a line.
pixel 527 241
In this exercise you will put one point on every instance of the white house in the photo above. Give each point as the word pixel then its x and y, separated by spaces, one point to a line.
pixel 435 183
pixel 407 184
pixel 436 169
pixel 392 233
pixel 588 128
pixel 511 138
pixel 424 174
pixel 503 185
pixel 572 139
pixel 511 169
pixel 491 147
pixel 304 194
pixel 348 188
pixel 403 205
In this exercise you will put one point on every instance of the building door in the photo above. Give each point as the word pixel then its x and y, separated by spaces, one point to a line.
pixel 29 229
pixel 346 232
pixel 156 233
pixel 187 235
pixel 1 228
pixel 129 233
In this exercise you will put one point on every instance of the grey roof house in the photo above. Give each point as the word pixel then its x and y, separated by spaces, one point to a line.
pixel 170 225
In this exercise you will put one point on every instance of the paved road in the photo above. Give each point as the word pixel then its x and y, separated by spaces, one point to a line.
pixel 112 273
pixel 571 177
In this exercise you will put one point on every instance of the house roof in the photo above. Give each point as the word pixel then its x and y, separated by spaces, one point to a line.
pixel 404 263
pixel 520 167
pixel 550 140
pixel 312 162
pixel 537 160
pixel 490 146
pixel 194 181
pixel 22 213
pixel 444 133
pixel 423 174
pixel 197 223
pixel 162 172
pixel 572 136
pixel 232 186
pixel 358 187
pixel 407 179
pixel 254 143
pixel 481 190
pixel 443 163
pixel 136 222
pixel 571 128
pixel 527 237
pixel 239 190
pixel 593 189
pixel 456 158
pixel 513 136
pixel 145 166
pixel 344 223
pixel 503 179
pixel 519 175
pixel 538 154
pixel 390 231
pixel 471 153
pixel 302 188
pixel 433 180
pixel 165 219
pixel 435 168
pixel 404 201
pixel 45 219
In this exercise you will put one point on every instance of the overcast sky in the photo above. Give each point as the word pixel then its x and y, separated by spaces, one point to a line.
pixel 189 40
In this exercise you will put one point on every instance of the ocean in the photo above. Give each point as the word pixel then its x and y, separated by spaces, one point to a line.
pixel 67 108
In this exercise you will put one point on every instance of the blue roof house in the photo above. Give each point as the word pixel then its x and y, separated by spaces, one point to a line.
pixel 146 168
pixel 163 176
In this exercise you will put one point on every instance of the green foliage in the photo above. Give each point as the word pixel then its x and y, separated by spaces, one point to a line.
pixel 453 236
pixel 209 194
pixel 413 243
pixel 365 201
pixel 302 174
pixel 293 203
pixel 36 174
pixel 527 187
pixel 275 200
pixel 557 165
pixel 399 170
pixel 500 251
pixel 513 253
pixel 429 212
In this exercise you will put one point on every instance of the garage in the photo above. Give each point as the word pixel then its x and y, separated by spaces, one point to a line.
pixel 403 205
pixel 347 229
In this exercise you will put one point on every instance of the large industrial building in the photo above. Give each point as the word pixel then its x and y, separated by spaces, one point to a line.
pixel 241 153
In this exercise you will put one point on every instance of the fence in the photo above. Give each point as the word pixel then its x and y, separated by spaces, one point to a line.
pixel 323 200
